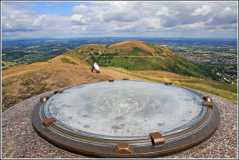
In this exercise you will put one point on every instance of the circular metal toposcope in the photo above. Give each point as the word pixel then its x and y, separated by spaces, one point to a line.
pixel 125 118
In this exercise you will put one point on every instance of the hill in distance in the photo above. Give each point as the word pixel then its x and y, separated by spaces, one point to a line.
pixel 127 59
pixel 138 55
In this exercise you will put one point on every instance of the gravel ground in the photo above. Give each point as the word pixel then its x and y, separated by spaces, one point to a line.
pixel 21 141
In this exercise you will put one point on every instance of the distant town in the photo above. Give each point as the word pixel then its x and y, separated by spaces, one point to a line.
pixel 221 59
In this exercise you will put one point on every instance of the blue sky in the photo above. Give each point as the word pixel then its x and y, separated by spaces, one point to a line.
pixel 129 18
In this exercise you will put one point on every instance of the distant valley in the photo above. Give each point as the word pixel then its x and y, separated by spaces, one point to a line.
pixel 219 55
pixel 24 77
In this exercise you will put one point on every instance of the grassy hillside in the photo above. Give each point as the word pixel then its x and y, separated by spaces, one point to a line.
pixel 135 60
pixel 24 81
pixel 137 55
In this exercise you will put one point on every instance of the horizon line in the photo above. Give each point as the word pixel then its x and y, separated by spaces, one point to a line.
pixel 58 38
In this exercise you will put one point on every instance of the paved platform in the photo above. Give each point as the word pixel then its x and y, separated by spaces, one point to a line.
pixel 21 141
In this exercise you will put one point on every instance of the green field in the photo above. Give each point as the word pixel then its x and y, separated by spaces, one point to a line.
pixel 171 64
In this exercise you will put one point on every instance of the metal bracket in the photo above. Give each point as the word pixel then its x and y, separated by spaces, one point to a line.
pixel 124 148
pixel 156 138
pixel 48 121
pixel 207 101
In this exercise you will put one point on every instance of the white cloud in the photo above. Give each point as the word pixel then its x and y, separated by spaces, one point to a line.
pixel 21 20
pixel 39 20
pixel 196 25
pixel 79 19
pixel 123 18
pixel 152 23
pixel 80 9
pixel 202 11
pixel 163 11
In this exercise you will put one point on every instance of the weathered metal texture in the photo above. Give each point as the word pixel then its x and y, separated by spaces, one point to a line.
pixel 100 147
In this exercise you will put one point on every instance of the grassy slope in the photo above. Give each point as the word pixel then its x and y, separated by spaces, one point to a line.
pixel 137 55
pixel 23 81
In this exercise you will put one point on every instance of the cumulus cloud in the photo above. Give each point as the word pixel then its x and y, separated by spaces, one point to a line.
pixel 79 19
pixel 124 18
pixel 226 16
pixel 18 22
pixel 163 11
pixel 21 20
pixel 202 11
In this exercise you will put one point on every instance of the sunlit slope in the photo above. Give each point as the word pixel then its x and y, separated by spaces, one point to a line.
pixel 23 81
pixel 129 59
pixel 138 55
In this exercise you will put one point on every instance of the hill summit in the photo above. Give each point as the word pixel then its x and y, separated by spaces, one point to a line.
pixel 124 48
pixel 127 59
pixel 133 44
pixel 138 55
